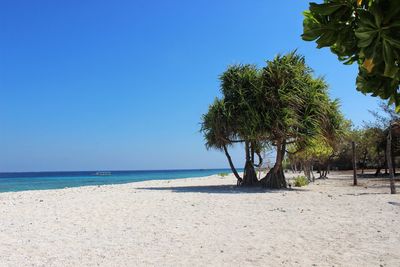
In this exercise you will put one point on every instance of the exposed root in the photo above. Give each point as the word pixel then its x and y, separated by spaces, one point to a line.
pixel 274 179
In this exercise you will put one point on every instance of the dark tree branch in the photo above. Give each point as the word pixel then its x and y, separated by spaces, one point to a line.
pixel 236 141
pixel 227 140
pixel 231 165
pixel 260 160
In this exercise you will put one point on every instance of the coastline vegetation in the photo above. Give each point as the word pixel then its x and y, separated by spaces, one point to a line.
pixel 366 32
pixel 281 106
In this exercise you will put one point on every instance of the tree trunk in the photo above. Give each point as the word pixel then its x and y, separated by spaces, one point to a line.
pixel 378 171
pixel 389 160
pixel 250 175
pixel 364 162
pixel 393 162
pixel 312 173
pixel 307 170
pixel 252 152
pixel 353 146
pixel 260 163
pixel 239 179
pixel 386 161
pixel 320 171
pixel 275 178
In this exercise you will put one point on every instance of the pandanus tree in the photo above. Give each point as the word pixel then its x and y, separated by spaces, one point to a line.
pixel 234 119
pixel 218 132
pixel 279 105
pixel 297 106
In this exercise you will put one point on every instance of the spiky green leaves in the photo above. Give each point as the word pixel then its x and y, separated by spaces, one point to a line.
pixel 289 89
pixel 363 31
pixel 216 126
pixel 280 102
pixel 240 85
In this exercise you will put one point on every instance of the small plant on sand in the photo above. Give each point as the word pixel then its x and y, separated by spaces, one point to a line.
pixel 223 174
pixel 300 181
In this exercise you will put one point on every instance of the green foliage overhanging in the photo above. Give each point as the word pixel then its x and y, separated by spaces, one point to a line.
pixel 362 31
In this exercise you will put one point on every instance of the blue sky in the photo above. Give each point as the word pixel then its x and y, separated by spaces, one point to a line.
pixel 90 85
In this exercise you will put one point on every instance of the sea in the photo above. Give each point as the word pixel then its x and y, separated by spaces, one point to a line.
pixel 21 181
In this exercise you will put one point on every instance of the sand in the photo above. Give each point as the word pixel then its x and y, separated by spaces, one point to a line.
pixel 202 221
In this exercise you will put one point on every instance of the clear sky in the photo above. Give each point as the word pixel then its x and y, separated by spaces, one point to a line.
pixel 90 85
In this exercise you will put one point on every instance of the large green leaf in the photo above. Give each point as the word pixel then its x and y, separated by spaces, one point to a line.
pixel 365 35
pixel 328 38
pixel 390 67
pixel 366 18
pixel 366 32
pixel 392 41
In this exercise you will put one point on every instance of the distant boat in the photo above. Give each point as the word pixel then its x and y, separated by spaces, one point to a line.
pixel 103 174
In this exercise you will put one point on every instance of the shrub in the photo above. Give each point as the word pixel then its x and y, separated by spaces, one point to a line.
pixel 300 181
pixel 223 174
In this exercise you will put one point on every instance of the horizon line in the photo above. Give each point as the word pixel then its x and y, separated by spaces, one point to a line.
pixel 137 170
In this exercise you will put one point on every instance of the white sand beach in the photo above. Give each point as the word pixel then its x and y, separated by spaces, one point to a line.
pixel 204 221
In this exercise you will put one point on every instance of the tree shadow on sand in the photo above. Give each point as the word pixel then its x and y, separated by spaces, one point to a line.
pixel 219 189
pixel 365 194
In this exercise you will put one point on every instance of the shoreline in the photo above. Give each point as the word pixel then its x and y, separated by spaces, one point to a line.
pixel 59 181
pixel 109 185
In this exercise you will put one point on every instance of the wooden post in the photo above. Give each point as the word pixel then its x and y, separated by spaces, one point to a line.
pixel 389 160
pixel 312 173
pixel 353 146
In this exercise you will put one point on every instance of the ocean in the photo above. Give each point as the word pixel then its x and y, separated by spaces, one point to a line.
pixel 21 181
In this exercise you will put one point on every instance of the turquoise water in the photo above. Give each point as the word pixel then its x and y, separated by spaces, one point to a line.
pixel 12 182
